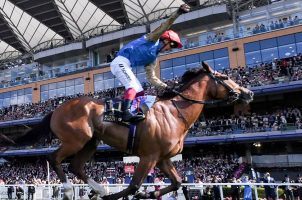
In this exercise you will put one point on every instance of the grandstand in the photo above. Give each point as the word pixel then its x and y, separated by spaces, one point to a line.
pixel 52 51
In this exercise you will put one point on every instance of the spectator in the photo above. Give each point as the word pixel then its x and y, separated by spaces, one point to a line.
pixel 10 191
pixel 82 192
pixel 31 192
pixel 288 189
pixel 299 188
pixel 19 192
pixel 296 20
pixel 247 189
pixel 235 190
pixel 270 190
pixel 55 192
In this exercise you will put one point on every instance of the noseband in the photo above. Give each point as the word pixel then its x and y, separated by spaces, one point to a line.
pixel 233 95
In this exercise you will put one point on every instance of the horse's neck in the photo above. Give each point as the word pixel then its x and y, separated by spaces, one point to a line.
pixel 189 110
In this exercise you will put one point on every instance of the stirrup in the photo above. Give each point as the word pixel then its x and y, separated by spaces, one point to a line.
pixel 134 118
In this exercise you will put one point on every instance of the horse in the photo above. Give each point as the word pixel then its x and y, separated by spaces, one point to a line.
pixel 79 125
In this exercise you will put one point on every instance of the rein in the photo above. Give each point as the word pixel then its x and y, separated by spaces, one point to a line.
pixel 234 96
pixel 215 101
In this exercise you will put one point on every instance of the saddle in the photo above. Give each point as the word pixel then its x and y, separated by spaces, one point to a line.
pixel 113 112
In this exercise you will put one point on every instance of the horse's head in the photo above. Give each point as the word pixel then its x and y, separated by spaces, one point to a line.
pixel 225 88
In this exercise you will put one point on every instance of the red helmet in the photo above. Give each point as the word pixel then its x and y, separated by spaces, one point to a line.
pixel 172 36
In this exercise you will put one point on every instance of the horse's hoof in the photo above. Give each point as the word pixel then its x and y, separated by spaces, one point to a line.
pixel 145 195
pixel 97 188
pixel 67 197
pixel 141 195
pixel 95 197
pixel 106 197
pixel 68 193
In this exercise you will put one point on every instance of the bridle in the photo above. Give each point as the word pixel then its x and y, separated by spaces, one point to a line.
pixel 232 97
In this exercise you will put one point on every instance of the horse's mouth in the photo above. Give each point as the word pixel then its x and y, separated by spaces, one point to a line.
pixel 246 97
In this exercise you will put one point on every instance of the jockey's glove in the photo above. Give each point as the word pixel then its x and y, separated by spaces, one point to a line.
pixel 184 8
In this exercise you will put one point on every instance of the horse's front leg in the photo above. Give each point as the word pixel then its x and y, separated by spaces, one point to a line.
pixel 144 166
pixel 166 166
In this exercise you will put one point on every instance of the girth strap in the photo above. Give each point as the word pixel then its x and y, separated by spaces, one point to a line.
pixel 131 139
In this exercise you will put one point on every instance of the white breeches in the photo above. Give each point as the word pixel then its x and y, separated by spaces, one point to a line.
pixel 121 69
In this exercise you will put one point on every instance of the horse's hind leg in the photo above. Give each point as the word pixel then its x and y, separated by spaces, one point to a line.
pixel 55 160
pixel 166 166
pixel 141 172
pixel 78 163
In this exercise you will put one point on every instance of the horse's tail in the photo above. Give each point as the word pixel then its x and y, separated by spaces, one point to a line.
pixel 35 134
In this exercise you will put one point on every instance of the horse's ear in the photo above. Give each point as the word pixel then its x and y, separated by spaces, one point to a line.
pixel 207 67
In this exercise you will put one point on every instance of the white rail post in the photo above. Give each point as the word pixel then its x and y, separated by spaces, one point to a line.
pixel 256 192
pixel 221 191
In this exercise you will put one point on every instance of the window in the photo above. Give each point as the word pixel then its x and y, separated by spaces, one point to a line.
pixel 286 39
pixel 108 75
pixel 221 63
pixel 52 86
pixel 299 47
pixel 269 55
pixel 44 88
pixel 62 88
pixel 252 46
pixel 16 97
pixel 221 53
pixel 179 61
pixel 20 92
pixel 79 89
pixel 61 92
pixel 61 84
pixel 287 50
pixel 78 81
pixel 192 58
pixel 166 74
pixel 140 69
pixel 218 59
pixel 253 58
pixel 298 37
pixel 69 91
pixel 44 96
pixel 268 43
pixel 97 77
pixel 206 55
pixel 142 77
pixel 117 83
pixel 109 83
pixel 274 48
pixel 179 71
pixel 98 86
pixel 166 64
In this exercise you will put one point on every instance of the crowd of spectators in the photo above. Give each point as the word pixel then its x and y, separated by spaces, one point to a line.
pixel 279 70
pixel 275 25
pixel 280 119
pixel 204 169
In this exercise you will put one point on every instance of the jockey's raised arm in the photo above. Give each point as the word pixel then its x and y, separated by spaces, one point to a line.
pixel 143 52
pixel 157 33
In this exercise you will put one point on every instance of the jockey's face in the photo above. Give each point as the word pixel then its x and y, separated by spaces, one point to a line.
pixel 167 46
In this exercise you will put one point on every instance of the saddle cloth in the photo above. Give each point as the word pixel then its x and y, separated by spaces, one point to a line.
pixel 113 108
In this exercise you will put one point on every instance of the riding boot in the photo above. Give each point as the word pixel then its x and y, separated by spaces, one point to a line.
pixel 127 116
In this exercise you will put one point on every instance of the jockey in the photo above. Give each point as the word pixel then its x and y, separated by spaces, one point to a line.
pixel 143 52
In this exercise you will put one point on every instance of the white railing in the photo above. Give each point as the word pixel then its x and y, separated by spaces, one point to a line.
pixel 47 191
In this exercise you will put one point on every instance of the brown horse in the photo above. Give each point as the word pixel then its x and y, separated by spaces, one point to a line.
pixel 79 125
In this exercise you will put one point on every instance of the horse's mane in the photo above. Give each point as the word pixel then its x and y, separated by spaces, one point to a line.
pixel 187 77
